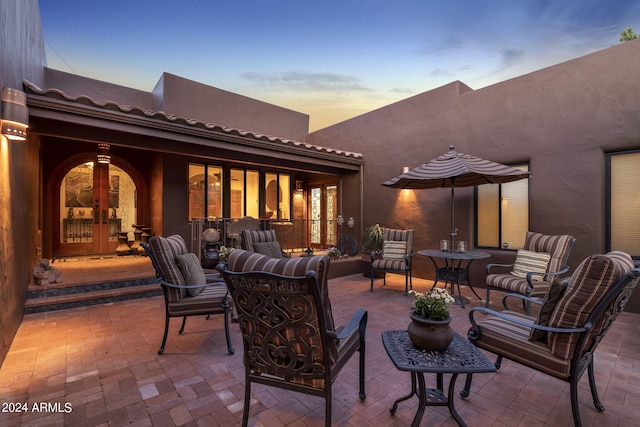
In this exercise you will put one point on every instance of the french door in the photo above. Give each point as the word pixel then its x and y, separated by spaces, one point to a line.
pixel 323 210
pixel 96 201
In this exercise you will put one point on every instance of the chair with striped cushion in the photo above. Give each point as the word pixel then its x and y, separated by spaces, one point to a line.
pixel 542 260
pixel 561 341
pixel 187 290
pixel 396 257
pixel 288 332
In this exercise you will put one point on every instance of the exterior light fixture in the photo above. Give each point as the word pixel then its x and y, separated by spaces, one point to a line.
pixel 298 191
pixel 15 114
pixel 405 169
pixel 103 153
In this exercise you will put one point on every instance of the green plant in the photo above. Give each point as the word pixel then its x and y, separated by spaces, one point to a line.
pixel 373 238
pixel 432 305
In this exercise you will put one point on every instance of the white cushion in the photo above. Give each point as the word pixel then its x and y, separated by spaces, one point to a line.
pixel 394 249
pixel 528 261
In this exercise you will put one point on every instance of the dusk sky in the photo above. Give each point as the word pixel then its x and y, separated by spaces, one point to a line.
pixel 330 59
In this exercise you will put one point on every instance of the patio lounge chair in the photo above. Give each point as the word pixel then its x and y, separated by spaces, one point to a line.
pixel 263 242
pixel 187 290
pixel 573 319
pixel 397 255
pixel 542 260
pixel 288 333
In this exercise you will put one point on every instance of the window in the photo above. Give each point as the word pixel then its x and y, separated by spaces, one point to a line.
pixel 502 213
pixel 208 191
pixel 205 191
pixel 277 193
pixel 623 201
pixel 245 190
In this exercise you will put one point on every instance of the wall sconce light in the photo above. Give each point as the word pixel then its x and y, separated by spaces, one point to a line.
pixel 405 169
pixel 103 153
pixel 298 191
pixel 15 114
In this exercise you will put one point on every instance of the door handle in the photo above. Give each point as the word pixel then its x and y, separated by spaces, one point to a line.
pixel 104 216
pixel 96 212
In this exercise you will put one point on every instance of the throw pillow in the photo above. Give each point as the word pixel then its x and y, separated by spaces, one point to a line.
pixel 528 261
pixel 394 249
pixel 190 267
pixel 270 249
pixel 548 305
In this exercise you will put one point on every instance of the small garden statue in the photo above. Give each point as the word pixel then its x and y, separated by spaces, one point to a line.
pixel 43 273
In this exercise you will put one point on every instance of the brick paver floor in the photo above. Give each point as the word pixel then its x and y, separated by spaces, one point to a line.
pixel 98 366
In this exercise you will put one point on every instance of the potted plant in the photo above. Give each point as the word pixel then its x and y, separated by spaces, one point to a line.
pixel 373 238
pixel 429 328
pixel 335 253
pixel 372 243
pixel 223 255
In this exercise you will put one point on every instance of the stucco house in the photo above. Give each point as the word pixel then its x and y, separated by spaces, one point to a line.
pixel 573 125
pixel 99 157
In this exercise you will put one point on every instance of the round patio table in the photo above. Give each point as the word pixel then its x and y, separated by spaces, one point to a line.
pixel 455 269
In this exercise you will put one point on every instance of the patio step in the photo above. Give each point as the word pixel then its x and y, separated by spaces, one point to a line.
pixel 60 296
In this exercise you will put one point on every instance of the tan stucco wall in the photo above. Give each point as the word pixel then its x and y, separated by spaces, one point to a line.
pixel 74 85
pixel 186 98
pixel 561 120
pixel 22 56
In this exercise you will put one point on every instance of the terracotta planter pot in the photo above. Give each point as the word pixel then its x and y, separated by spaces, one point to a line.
pixel 430 335
pixel 366 268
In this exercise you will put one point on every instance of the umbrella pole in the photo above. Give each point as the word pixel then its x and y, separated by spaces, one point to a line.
pixel 454 232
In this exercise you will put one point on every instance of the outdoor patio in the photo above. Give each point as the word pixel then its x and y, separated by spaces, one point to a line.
pixel 101 362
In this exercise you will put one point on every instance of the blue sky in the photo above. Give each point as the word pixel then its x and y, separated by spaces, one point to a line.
pixel 330 59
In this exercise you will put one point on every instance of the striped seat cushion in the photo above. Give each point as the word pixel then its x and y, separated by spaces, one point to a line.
pixel 249 237
pixel 209 300
pixel 588 284
pixel 556 246
pixel 392 234
pixel 164 251
pixel 389 264
pixel 512 341
pixel 515 284
pixel 177 244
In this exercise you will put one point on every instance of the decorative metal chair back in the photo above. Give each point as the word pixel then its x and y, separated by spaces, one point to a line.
pixel 283 330
pixel 288 334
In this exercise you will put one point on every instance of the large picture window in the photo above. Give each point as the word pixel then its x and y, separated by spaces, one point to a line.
pixel 244 193
pixel 623 213
pixel 502 213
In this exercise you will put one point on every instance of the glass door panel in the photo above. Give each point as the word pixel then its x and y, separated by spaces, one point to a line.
pixel 96 202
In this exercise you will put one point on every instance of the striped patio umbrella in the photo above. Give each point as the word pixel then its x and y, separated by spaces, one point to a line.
pixel 455 169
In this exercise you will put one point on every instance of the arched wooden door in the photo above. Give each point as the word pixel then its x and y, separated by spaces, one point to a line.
pixel 94 202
